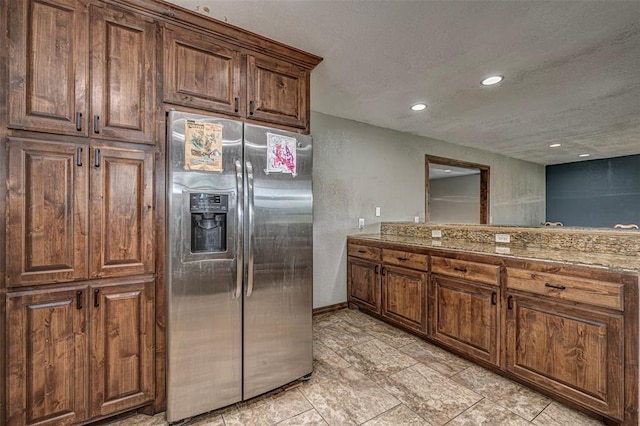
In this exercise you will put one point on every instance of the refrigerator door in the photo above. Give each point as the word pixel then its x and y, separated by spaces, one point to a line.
pixel 204 285
pixel 278 252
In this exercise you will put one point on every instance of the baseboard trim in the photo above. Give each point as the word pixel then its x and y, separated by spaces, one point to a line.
pixel 329 308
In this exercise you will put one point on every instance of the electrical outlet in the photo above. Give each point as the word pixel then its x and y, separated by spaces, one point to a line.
pixel 416 219
pixel 503 238
pixel 436 233
pixel 361 223
pixel 503 250
pixel 377 211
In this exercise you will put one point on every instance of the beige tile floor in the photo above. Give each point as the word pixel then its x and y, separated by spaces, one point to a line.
pixel 369 373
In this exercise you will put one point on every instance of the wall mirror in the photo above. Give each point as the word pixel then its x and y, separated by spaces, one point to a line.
pixel 456 191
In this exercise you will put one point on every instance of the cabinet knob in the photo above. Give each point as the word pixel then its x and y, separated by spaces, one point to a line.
pixel 236 104
pixel 375 270
pixel 96 158
pixel 96 118
pixel 459 269
pixel 494 298
pixel 96 298
pixel 252 106
pixel 510 302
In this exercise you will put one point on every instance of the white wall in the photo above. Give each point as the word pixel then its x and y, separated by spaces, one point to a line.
pixel 357 167
pixel 455 199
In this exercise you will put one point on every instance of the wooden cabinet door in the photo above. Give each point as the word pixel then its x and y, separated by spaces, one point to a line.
pixel 123 69
pixel 363 282
pixel 47 212
pixel 47 357
pixel 122 235
pixel 122 345
pixel 404 296
pixel 202 72
pixel 277 92
pixel 48 65
pixel 573 351
pixel 464 316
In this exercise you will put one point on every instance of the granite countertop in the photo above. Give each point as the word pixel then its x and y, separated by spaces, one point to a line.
pixel 613 262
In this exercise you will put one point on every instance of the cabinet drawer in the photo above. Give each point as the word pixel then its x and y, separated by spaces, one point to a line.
pixel 463 269
pixel 406 259
pixel 365 252
pixel 575 289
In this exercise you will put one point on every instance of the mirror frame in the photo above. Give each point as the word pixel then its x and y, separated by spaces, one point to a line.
pixel 484 183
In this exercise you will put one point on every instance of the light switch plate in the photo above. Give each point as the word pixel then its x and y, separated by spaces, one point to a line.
pixel 503 238
pixel 361 223
pixel 377 211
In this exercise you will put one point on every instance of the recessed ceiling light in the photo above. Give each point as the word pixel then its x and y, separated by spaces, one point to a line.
pixel 555 145
pixel 491 80
pixel 448 171
pixel 584 155
pixel 419 107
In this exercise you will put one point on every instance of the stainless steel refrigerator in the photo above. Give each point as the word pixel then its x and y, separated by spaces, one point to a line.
pixel 239 261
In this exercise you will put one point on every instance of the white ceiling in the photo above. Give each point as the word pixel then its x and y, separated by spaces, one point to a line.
pixel 572 68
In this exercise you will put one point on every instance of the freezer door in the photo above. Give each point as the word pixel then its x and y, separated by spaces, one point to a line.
pixel 204 297
pixel 278 256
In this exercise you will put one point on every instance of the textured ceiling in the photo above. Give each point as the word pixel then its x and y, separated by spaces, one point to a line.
pixel 572 68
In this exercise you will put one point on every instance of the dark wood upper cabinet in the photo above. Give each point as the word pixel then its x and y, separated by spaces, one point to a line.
pixel 122 345
pixel 47 212
pixel 122 232
pixel 122 75
pixel 48 57
pixel 62 53
pixel 202 72
pixel 47 357
pixel 206 73
pixel 277 92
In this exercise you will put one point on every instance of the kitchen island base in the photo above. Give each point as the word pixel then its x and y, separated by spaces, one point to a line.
pixel 567 330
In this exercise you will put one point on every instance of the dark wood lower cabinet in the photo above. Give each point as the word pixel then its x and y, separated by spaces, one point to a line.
pixel 47 357
pixel 404 296
pixel 122 346
pixel 574 351
pixel 569 332
pixel 364 284
pixel 464 316
pixel 79 352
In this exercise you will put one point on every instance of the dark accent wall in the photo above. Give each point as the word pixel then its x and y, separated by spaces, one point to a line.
pixel 596 193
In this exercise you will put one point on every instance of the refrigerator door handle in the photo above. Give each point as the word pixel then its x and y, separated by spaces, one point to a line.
pixel 239 229
pixel 249 168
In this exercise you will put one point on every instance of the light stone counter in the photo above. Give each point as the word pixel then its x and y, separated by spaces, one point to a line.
pixel 611 261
